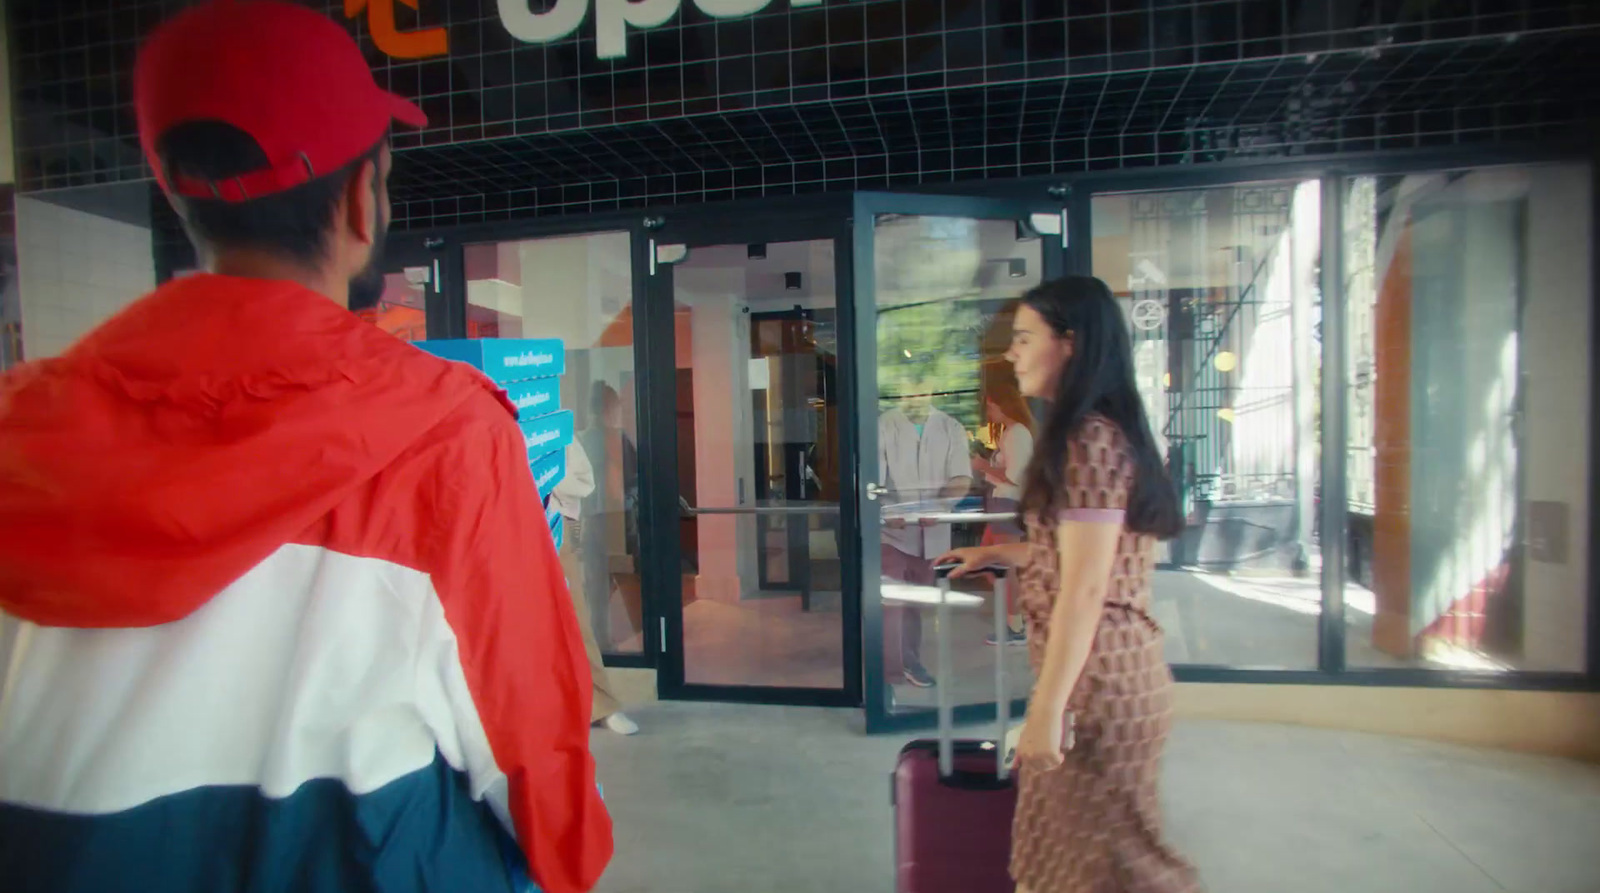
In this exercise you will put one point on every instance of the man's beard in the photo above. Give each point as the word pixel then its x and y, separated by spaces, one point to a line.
pixel 366 287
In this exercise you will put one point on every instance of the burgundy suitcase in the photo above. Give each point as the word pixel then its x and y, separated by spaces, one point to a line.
pixel 953 800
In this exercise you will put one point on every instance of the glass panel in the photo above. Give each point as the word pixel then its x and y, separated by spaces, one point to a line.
pixel 579 289
pixel 1220 288
pixel 1468 447
pixel 758 465
pixel 402 310
pixel 944 289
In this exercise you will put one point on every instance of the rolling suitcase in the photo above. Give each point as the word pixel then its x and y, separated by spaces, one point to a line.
pixel 954 800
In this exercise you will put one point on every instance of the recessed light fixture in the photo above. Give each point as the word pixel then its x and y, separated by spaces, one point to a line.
pixel 791 281
pixel 1017 267
pixel 757 251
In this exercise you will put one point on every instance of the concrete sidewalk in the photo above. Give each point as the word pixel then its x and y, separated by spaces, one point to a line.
pixel 715 797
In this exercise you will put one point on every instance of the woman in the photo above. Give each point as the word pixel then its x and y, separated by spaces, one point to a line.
pixel 1012 421
pixel 1095 501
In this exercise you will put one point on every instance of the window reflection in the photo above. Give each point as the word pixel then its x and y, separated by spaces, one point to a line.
pixel 1220 290
pixel 1469 306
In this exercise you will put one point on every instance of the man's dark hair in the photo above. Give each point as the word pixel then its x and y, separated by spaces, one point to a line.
pixel 293 223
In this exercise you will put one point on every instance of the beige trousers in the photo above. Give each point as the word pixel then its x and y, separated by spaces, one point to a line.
pixel 605 703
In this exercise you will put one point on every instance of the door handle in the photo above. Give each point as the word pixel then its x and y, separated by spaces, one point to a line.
pixel 874 491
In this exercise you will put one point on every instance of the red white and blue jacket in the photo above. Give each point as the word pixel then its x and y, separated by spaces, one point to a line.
pixel 279 610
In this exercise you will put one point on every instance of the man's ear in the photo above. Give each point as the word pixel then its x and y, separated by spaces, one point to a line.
pixel 361 203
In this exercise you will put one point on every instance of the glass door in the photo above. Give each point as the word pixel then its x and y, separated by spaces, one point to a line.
pixel 579 287
pixel 937 279
pixel 410 305
pixel 750 416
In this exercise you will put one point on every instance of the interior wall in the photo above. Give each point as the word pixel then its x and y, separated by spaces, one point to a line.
pixel 1485 246
pixel 76 269
pixel 1557 377
pixel 719 351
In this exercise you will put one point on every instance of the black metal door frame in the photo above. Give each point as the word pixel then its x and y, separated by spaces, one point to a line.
pixel 445 306
pixel 1059 255
pixel 826 220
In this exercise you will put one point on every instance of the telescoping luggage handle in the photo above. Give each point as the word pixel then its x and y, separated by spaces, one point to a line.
pixel 1002 695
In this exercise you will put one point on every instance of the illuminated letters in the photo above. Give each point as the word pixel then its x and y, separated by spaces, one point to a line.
pixel 527 26
pixel 613 17
pixel 395 43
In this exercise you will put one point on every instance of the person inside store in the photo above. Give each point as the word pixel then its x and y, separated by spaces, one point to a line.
pixel 1095 501
pixel 568 497
pixel 282 608
pixel 923 458
pixel 1001 472
pixel 611 558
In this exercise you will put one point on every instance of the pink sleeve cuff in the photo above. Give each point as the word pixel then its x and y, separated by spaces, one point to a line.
pixel 1093 516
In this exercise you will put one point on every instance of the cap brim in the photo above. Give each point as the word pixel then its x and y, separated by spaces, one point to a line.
pixel 406 112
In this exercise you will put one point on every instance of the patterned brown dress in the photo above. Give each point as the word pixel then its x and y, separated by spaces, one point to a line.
pixel 1093 825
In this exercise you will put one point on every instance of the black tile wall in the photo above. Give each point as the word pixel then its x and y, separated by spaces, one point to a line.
pixel 866 93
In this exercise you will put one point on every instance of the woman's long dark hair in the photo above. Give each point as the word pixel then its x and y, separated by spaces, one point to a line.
pixel 1098 379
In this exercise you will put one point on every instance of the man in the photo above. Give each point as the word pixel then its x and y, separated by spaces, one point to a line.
pixel 567 497
pixel 612 527
pixel 922 456
pixel 283 610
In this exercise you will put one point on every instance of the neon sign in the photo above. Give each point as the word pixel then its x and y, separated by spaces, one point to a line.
pixel 389 38
pixel 613 18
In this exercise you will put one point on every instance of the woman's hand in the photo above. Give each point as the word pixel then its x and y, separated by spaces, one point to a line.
pixel 967 561
pixel 1039 744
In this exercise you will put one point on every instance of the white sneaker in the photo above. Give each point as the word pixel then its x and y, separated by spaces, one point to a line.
pixel 621 724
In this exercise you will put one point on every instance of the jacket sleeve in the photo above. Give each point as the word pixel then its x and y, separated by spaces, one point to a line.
pixel 521 697
pixel 579 482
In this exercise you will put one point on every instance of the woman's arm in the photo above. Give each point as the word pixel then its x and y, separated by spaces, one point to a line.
pixel 973 559
pixel 1008 554
pixel 1018 448
pixel 1087 550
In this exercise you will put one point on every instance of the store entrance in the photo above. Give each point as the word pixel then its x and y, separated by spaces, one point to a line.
pixel 412 305
pixel 766 606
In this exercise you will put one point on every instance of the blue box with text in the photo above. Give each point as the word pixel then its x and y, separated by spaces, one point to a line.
pixel 547 434
pixel 536 397
pixel 504 359
pixel 548 471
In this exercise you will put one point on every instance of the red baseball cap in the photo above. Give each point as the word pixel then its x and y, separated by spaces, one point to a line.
pixel 291 78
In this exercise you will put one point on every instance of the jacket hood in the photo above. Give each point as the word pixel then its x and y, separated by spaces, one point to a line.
pixel 181 443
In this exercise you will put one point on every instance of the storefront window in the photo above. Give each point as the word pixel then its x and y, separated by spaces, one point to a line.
pixel 1468 296
pixel 1221 293
pixel 579 289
